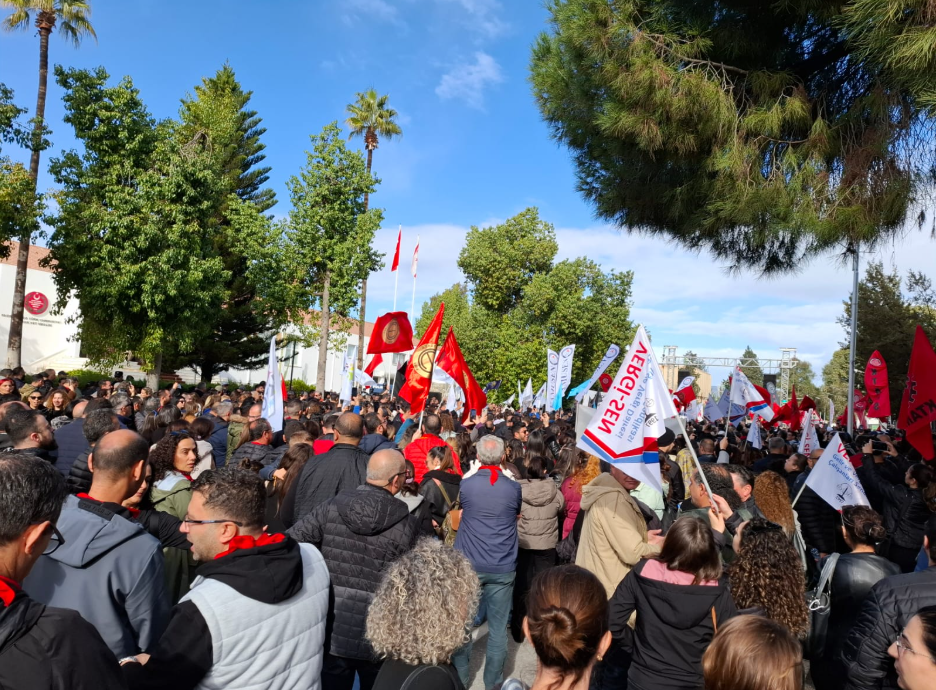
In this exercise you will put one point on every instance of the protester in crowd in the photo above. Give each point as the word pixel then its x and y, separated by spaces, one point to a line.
pixel 567 624
pixel 440 484
pixel 753 653
pixel 886 611
pixel 906 507
pixel 772 496
pixel 96 425
pixel 537 533
pixel 582 469
pixel 34 399
pixel 237 428
pixel 155 429
pixel 56 404
pixel 776 457
pixel 680 598
pixel 417 450
pixel 221 416
pixel 201 429
pixel 69 439
pixel 257 451
pixel 255 616
pixel 342 468
pixel 375 437
pixel 29 433
pixel 421 613
pixel 290 468
pixel 914 651
pixel 742 481
pixel 107 567
pixel 767 575
pixel 41 647
pixel 854 575
pixel 487 535
pixel 820 522
pixel 122 406
pixel 795 465
pixel 290 428
pixel 720 482
pixel 360 531
pixel 8 391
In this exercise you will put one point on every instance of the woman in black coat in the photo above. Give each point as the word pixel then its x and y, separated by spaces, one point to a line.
pixel 440 484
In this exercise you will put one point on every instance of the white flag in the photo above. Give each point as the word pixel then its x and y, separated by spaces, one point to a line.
pixel 754 435
pixel 626 425
pixel 834 478
pixel 347 373
pixel 609 356
pixel 363 379
pixel 552 378
pixel 415 256
pixel 831 412
pixel 451 400
pixel 809 441
pixel 564 374
pixel 273 393
pixel 539 400
pixel 694 411
pixel 744 393
pixel 712 411
pixel 526 398
pixel 509 401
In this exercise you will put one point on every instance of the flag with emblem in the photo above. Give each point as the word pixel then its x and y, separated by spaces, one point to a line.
pixel 918 406
pixel 392 333
pixel 452 361
pixel 878 387
pixel 419 373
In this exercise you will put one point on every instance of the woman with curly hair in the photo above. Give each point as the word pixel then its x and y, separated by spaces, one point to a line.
pixel 772 497
pixel 583 468
pixel 767 575
pixel 753 653
pixel 421 613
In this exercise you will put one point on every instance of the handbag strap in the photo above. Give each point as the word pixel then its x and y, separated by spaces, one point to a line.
pixel 825 578
pixel 714 622
pixel 445 496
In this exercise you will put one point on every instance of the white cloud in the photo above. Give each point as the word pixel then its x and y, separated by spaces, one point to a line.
pixel 371 10
pixel 482 16
pixel 467 82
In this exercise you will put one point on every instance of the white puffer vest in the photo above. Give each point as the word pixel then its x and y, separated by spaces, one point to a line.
pixel 269 646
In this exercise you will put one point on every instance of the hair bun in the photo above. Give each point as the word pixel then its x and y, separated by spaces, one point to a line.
pixel 876 532
pixel 557 627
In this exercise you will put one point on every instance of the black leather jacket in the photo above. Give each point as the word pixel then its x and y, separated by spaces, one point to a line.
pixel 855 574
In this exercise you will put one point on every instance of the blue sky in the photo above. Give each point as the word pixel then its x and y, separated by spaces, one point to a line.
pixel 474 150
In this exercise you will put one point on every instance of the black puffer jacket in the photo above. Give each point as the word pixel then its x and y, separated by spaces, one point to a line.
pixel 904 510
pixel 429 490
pixel 371 443
pixel 45 648
pixel 887 609
pixel 71 443
pixel 359 532
pixel 818 520
pixel 323 477
pixel 255 452
pixel 79 476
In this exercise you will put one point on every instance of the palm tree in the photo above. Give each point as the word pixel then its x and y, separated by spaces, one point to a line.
pixel 371 118
pixel 72 18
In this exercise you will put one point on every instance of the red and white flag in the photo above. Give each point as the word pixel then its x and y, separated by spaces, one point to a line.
pixel 876 384
pixel 918 406
pixel 415 257
pixel 396 254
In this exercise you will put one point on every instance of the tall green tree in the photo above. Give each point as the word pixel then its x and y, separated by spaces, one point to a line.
pixel 752 370
pixel 762 133
pixel 835 382
pixel 239 336
pixel 133 227
pixel 802 376
pixel 330 234
pixel 370 117
pixel 20 206
pixel 71 17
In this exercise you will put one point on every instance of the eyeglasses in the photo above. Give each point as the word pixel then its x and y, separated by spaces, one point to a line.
pixel 189 521
pixel 35 397
pixel 55 541
pixel 903 645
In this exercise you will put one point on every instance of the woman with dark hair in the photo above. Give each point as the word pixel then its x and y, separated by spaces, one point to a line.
pixel 464 450
pixel 536 445
pixel 440 483
pixel 154 429
pixel 202 427
pixel 914 652
pixel 680 597
pixel 753 653
pixel 567 624
pixel 854 575
pixel 515 458
pixel 767 575
pixel 583 468
pixel 281 490
pixel 906 508
pixel 537 532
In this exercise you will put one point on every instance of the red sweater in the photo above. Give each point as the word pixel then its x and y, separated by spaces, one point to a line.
pixel 417 451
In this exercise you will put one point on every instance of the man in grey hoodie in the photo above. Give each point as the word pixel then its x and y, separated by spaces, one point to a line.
pixel 108 568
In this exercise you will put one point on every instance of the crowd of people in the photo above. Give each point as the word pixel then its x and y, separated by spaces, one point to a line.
pixel 172 539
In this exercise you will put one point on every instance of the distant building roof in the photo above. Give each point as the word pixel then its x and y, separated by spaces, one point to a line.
pixel 36 254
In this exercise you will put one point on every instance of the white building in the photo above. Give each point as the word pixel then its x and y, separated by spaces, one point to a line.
pixel 50 341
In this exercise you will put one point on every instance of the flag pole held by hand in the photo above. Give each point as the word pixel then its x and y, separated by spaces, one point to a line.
pixel 708 489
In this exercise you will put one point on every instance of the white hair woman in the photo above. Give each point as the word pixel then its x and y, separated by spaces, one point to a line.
pixel 422 613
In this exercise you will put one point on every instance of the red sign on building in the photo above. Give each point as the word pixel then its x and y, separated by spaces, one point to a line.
pixel 37 303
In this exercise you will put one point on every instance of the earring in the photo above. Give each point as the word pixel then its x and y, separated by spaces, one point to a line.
pixel 600 658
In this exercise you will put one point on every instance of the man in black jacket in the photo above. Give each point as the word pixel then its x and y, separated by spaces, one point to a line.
pixel 775 459
pixel 343 467
pixel 359 532
pixel 40 646
pixel 375 439
pixel 30 433
pixel 96 425
pixel 258 449
pixel 886 611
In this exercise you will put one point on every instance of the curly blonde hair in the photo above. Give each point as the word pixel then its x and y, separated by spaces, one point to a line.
pixel 772 496
pixel 585 473
pixel 423 608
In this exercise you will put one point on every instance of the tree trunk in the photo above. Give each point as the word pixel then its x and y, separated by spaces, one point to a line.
pixel 361 319
pixel 206 370
pixel 323 338
pixel 152 376
pixel 15 340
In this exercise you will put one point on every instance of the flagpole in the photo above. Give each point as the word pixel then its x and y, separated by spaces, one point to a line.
pixel 413 304
pixel 396 283
pixel 431 372
pixel 798 494
pixel 853 343
pixel 708 489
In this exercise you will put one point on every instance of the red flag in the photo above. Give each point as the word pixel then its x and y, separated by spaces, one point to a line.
pixel 419 372
pixel 452 362
pixel 396 254
pixel 877 386
pixel 918 405
pixel 374 363
pixel 861 405
pixel 765 394
pixel 392 333
pixel 794 412
pixel 807 404
pixel 415 257
pixel 685 395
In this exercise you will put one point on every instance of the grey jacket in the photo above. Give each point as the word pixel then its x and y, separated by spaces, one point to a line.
pixel 108 569
pixel 539 515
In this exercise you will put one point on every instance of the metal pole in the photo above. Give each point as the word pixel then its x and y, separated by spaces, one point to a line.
pixel 853 344
pixel 292 367
pixel 431 372
pixel 708 489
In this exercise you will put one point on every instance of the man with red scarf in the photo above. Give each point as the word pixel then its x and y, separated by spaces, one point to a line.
pixel 255 615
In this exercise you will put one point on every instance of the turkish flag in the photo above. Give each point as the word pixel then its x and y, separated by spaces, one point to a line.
pixel 794 412
pixel 392 333
pixel 396 254
pixel 877 386
pixel 605 380
pixel 374 363
pixel 419 372
pixel 918 405
pixel 452 362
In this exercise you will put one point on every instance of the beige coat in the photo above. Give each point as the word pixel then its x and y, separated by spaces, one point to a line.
pixel 614 534
pixel 539 516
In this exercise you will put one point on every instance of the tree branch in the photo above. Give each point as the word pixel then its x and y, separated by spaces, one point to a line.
pixel 659 42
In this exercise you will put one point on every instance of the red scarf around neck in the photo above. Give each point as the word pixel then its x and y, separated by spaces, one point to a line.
pixel 135 512
pixel 245 541
pixel 8 590
pixel 495 472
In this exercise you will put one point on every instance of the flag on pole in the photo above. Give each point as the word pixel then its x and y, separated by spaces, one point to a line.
pixel 754 435
pixel 539 400
pixel 580 390
pixel 391 333
pixel 743 393
pixel 452 361
pixel 861 405
pixel 362 378
pixel 374 363
pixel 626 425
pixel 347 374
pixel 526 398
pixel 794 411
pixel 877 385
pixel 563 374
pixel 834 478
pixel 492 386
pixel 694 411
pixel 684 393
pixel 509 401
pixel 273 403
pixel 552 377
pixel 809 441
pixel 419 373
pixel 711 411
pixel 918 405
pixel 415 257
pixel 396 255
pixel 831 411
pixel 765 394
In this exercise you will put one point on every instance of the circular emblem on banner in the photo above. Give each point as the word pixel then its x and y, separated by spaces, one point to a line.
pixel 553 358
pixel 606 381
pixel 875 362
pixel 423 358
pixel 37 303
pixel 391 332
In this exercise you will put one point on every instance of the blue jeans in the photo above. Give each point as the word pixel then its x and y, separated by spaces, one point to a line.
pixel 496 597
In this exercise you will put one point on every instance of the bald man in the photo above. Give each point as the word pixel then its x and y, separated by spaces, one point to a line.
pixel 359 532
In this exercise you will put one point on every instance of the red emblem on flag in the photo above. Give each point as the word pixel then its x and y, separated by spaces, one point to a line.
pixel 605 380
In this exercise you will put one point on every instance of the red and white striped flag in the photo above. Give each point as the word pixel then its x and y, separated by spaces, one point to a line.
pixel 396 254
pixel 415 257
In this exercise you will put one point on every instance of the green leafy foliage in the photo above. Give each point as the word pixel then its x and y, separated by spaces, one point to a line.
pixel 753 371
pixel 835 382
